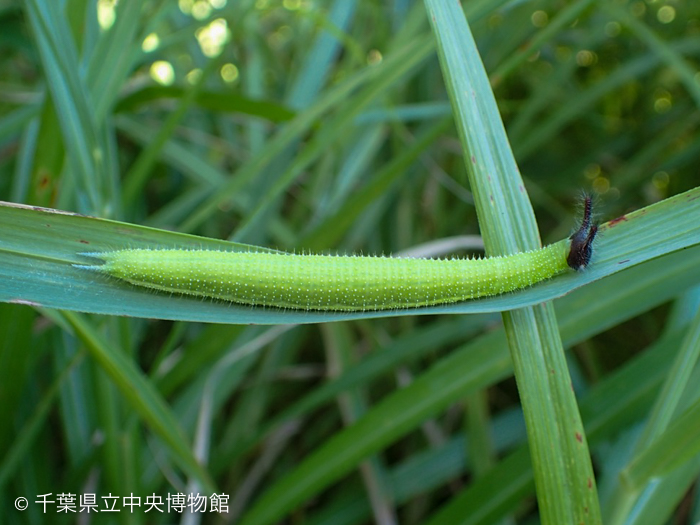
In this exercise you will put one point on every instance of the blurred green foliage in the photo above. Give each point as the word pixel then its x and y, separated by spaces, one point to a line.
pixel 325 125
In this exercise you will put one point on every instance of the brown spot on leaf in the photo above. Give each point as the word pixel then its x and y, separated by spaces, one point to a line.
pixel 613 222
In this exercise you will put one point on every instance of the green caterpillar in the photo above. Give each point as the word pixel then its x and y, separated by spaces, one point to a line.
pixel 342 283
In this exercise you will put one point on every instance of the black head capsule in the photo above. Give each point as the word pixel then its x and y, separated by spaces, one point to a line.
pixel 582 240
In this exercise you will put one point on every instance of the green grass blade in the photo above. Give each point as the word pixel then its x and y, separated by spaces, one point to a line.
pixel 675 446
pixel 70 97
pixel 37 268
pixel 219 101
pixel 653 457
pixel 336 127
pixel 561 461
pixel 136 177
pixel 299 125
pixel 141 395
pixel 116 47
pixel 331 230
pixel 676 385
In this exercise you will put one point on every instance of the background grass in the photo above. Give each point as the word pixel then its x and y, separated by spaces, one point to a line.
pixel 328 126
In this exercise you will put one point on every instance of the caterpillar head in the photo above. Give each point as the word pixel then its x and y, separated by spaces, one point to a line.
pixel 581 248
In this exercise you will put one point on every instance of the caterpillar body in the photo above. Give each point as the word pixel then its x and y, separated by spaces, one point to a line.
pixel 342 283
